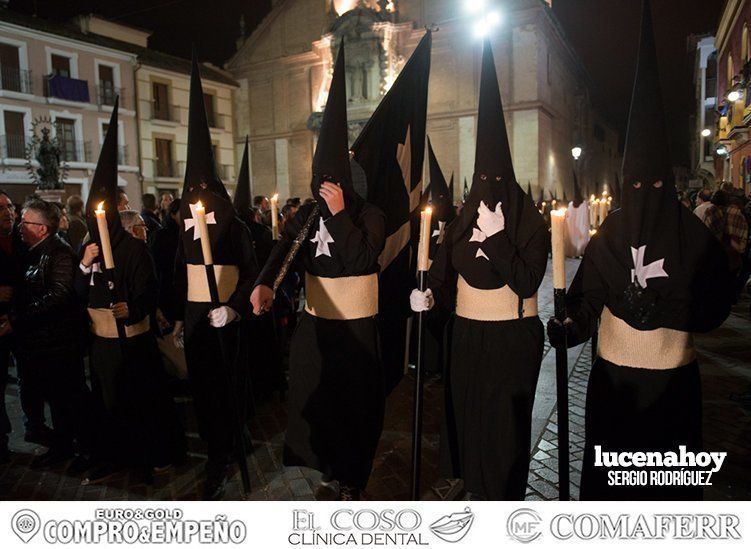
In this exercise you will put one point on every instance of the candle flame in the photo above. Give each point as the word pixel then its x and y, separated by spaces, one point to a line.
pixel 428 210
pixel 275 197
pixel 100 207
pixel 559 212
pixel 199 205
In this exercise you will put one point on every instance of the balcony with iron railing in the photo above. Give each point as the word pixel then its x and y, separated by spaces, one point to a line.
pixel 106 95
pixel 224 171
pixel 218 121
pixel 168 170
pixel 165 112
pixel 66 88
pixel 75 151
pixel 15 80
pixel 13 146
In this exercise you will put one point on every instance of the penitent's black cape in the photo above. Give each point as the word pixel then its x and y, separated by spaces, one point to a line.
pixel 694 296
pixel 492 366
pixel 336 397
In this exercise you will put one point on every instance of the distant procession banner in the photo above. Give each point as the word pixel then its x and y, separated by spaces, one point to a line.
pixel 272 525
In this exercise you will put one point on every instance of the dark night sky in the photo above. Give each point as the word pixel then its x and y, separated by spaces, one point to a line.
pixel 603 32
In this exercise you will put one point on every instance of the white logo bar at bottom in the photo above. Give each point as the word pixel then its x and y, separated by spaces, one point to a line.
pixel 272 525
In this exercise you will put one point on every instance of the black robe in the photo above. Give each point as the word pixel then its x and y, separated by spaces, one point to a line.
pixel 217 358
pixel 336 397
pixel 492 366
pixel 136 421
pixel 629 407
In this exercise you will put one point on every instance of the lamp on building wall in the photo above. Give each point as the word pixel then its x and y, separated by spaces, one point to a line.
pixel 734 96
pixel 576 152
pixel 706 132
pixel 722 150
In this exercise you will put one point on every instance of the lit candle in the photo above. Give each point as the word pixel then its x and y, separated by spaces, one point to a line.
pixel 275 217
pixel 592 212
pixel 557 225
pixel 543 208
pixel 104 236
pixel 423 250
pixel 203 228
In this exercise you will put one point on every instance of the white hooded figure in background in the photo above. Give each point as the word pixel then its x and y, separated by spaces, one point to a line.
pixel 577 223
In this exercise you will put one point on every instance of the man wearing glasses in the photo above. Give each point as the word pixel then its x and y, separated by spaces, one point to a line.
pixel 47 326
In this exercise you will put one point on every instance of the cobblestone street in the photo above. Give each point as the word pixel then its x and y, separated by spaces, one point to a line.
pixel 725 358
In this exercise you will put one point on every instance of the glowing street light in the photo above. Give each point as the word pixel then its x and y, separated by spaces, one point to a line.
pixel 722 150
pixel 576 152
pixel 485 19
pixel 706 132
pixel 734 96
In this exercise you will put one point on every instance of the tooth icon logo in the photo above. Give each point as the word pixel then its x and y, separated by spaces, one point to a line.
pixel 25 523
pixel 452 528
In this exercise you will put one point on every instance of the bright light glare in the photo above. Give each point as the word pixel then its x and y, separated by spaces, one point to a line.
pixel 474 6
pixel 494 18
pixel 576 152
pixel 486 23
pixel 481 29
pixel 706 132
pixel 722 151
pixel 734 96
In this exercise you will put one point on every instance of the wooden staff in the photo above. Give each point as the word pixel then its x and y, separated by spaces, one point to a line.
pixel 208 261
pixel 423 264
pixel 557 219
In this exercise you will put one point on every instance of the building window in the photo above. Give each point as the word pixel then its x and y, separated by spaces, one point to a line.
pixel 60 65
pixel 66 136
pixel 164 166
pixel 15 135
pixel 12 78
pixel 107 89
pixel 161 105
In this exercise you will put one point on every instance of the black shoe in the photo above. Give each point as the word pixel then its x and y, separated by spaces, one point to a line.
pixel 349 493
pixel 52 457
pixel 216 483
pixel 99 474
pixel 41 435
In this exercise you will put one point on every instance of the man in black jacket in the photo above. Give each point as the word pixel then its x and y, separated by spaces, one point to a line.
pixel 47 326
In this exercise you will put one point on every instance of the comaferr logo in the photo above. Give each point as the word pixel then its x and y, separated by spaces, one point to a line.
pixel 694 526
pixel 452 528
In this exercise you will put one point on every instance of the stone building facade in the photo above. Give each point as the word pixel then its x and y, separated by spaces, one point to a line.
pixel 284 67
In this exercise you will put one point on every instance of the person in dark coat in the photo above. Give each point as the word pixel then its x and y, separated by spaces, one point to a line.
pixel 134 414
pixel 652 276
pixel 163 249
pixel 487 271
pixel 212 322
pixel 47 325
pixel 336 397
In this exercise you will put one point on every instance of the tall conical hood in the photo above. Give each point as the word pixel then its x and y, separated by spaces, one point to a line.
pixel 646 158
pixel 494 185
pixel 451 189
pixel 104 184
pixel 440 194
pixel 578 197
pixel 242 200
pixel 529 189
pixel 331 158
pixel 200 167
pixel 617 191
pixel 465 191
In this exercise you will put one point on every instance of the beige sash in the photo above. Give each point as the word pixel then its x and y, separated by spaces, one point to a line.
pixel 346 298
pixel 198 285
pixel 103 325
pixel 491 305
pixel 659 349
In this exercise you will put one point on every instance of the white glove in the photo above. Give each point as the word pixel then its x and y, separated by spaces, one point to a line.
pixel 221 316
pixel 489 222
pixel 421 301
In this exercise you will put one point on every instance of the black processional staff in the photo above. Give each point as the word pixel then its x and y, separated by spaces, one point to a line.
pixel 105 250
pixel 208 261
pixel 423 264
pixel 557 220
